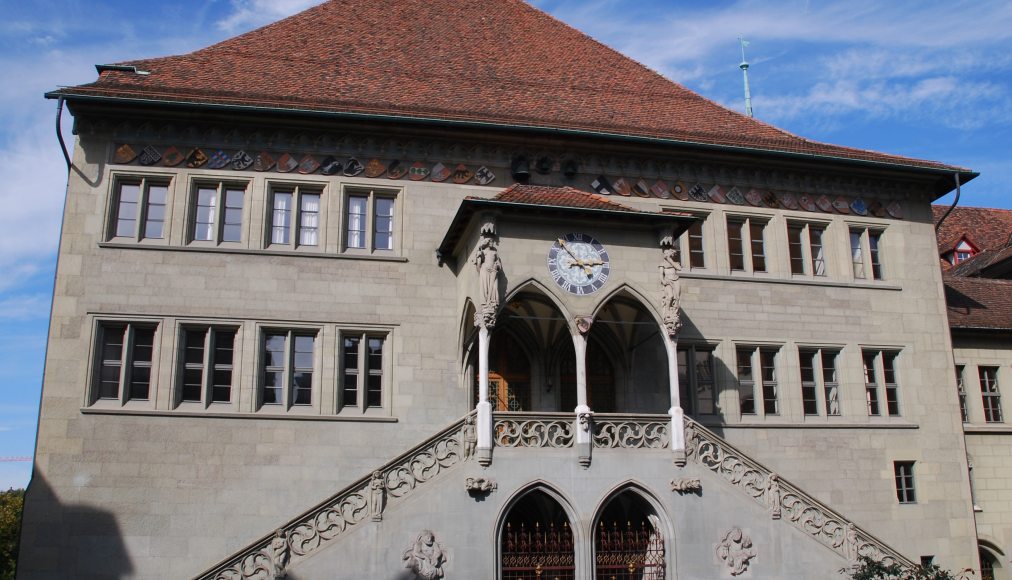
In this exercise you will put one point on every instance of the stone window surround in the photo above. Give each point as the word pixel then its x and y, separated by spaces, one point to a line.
pixel 748 222
pixel 144 179
pixel 822 387
pixel 100 325
pixel 289 390
pixel 298 190
pixel 761 397
pixel 220 186
pixel 906 490
pixel 990 391
pixel 691 388
pixel 872 260
pixel 887 392
pixel 207 402
pixel 808 261
pixel 371 193
pixel 361 405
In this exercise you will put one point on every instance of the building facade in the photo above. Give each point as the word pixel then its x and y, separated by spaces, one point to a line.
pixel 494 302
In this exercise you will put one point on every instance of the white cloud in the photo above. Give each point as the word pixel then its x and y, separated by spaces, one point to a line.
pixel 248 14
pixel 24 307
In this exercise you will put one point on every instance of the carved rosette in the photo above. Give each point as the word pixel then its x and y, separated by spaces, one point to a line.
pixel 736 551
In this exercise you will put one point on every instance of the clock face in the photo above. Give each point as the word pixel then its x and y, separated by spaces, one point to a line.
pixel 579 264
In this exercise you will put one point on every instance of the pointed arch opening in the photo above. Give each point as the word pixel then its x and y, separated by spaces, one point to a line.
pixel 631 539
pixel 536 539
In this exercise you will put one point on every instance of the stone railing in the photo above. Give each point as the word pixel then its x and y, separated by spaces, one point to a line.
pixel 268 557
pixel 632 431
pixel 553 430
pixel 783 499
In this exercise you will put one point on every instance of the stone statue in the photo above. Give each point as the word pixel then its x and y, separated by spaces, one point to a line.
pixel 470 437
pixel 671 288
pixel 377 491
pixel 736 551
pixel 853 554
pixel 425 557
pixel 278 553
pixel 486 261
pixel 773 495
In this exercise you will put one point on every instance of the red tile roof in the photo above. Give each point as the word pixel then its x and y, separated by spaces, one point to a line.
pixel 558 197
pixel 979 303
pixel 985 227
pixel 490 61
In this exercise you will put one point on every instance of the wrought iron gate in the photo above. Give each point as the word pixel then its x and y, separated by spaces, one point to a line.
pixel 629 552
pixel 542 552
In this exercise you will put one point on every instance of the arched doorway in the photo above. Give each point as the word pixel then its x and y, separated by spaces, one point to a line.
pixel 536 540
pixel 990 563
pixel 629 540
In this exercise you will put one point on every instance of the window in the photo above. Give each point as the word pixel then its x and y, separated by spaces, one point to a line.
pixel 806 249
pixel 140 209
pixel 295 219
pixel 964 412
pixel 864 252
pixel 125 355
pixel 879 373
pixel 990 393
pixel 207 358
pixel 757 367
pixel 287 367
pixel 818 377
pixel 904 472
pixel 695 380
pixel 369 221
pixel 690 247
pixel 209 223
pixel 361 370
pixel 746 244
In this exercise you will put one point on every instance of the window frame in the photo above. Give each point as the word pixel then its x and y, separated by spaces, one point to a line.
pixel 299 190
pixel 822 388
pixel 369 232
pixel 961 394
pixel 208 366
pixel 144 182
pixel 221 187
pixel 883 393
pixel 764 391
pixel 990 393
pixel 903 479
pixel 288 370
pixel 362 371
pixel 127 329
pixel 869 248
pixel 806 249
pixel 689 389
pixel 747 225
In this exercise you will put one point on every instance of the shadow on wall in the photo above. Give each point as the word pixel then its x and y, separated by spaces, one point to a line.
pixel 66 540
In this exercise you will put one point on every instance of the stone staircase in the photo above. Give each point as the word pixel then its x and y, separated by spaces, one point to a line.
pixel 268 557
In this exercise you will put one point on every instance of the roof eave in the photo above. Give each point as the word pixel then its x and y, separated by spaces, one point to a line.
pixel 942 186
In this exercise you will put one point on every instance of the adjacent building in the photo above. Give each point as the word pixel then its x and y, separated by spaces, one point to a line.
pixel 451 290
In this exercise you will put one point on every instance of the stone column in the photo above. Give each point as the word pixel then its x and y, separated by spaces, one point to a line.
pixel 677 416
pixel 484 407
pixel 583 413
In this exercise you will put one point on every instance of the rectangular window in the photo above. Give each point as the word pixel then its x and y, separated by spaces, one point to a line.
pixel 125 355
pixel 805 248
pixel 695 380
pixel 990 394
pixel 830 384
pixel 217 212
pixel 758 363
pixel 690 247
pixel 880 369
pixel 361 370
pixel 295 217
pixel 207 360
pixel 370 221
pixel 961 393
pixel 904 472
pixel 140 209
pixel 287 368
pixel 746 244
pixel 809 386
pixel 865 253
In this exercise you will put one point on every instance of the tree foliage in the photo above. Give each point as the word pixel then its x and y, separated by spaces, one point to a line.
pixel 11 503
pixel 868 569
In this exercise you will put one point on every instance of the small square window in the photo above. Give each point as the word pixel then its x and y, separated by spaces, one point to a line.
pixel 904 473
pixel 370 221
pixel 140 209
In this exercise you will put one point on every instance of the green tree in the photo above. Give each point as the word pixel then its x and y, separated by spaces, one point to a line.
pixel 868 569
pixel 12 502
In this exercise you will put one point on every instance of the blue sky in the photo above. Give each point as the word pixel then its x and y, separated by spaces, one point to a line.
pixel 928 79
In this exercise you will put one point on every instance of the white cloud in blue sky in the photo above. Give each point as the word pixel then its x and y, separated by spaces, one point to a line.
pixel 928 79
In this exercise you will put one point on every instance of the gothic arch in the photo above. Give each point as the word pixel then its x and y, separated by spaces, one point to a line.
pixel 646 540
pixel 635 295
pixel 523 507
pixel 533 284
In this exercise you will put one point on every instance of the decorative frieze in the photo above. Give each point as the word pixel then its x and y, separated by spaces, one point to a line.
pixel 534 432
pixel 631 434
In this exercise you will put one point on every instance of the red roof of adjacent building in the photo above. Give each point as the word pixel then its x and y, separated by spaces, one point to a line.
pixel 979 303
pixel 557 197
pixel 499 62
pixel 986 228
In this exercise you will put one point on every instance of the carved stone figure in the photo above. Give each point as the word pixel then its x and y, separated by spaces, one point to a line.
pixel 470 437
pixel 773 495
pixel 736 551
pixel 480 485
pixel 671 288
pixel 853 553
pixel 583 323
pixel 279 555
pixel 377 493
pixel 425 557
pixel 686 485
pixel 486 261
pixel 584 420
